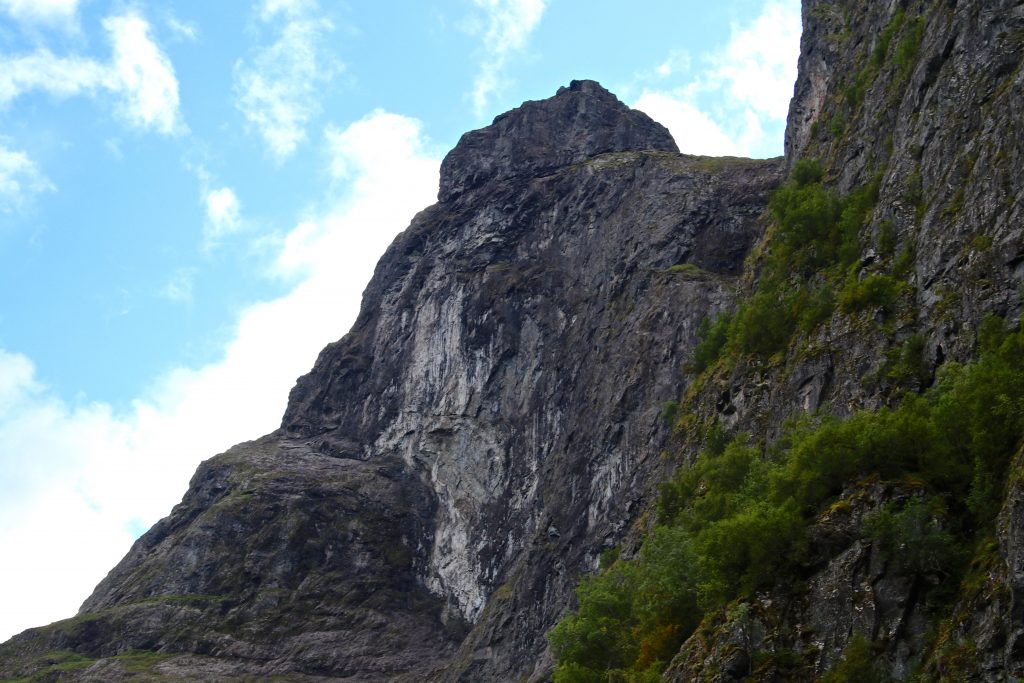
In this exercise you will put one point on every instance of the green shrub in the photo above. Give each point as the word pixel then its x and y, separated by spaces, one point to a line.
pixel 914 539
pixel 669 411
pixel 807 216
pixel 764 325
pixel 736 521
pixel 816 308
pixel 608 557
pixel 816 231
pixel 887 238
pixel 633 616
pixel 908 366
pixel 748 550
pixel 816 228
pixel 874 291
pixel 712 338
pixel 806 172
pixel 858 665
pixel 991 334
pixel 904 262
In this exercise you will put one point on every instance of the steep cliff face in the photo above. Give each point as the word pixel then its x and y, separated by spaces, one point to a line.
pixel 917 100
pixel 492 422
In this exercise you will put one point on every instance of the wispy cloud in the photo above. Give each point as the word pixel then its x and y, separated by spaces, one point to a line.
pixel 293 8
pixel 53 12
pixel 509 25
pixel 59 76
pixel 20 179
pixel 139 74
pixel 277 89
pixel 144 75
pixel 738 104
pixel 187 30
pixel 223 212
pixel 221 207
pixel 96 476
pixel 179 288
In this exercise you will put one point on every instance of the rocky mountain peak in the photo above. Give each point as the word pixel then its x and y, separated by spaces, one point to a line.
pixel 579 122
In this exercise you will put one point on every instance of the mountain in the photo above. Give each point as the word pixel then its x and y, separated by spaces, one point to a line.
pixel 586 314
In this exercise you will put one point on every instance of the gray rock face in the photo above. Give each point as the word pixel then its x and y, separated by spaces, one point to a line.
pixel 448 469
pixel 537 138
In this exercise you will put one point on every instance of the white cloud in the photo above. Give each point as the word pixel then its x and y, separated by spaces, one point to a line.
pixel 183 29
pixel 695 132
pixel 223 212
pixel 221 206
pixel 20 179
pixel 77 479
pixel 179 287
pixel 509 25
pixel 59 76
pixel 291 8
pixel 144 74
pixel 277 91
pixel 42 11
pixel 759 63
pixel 677 60
pixel 140 74
pixel 740 102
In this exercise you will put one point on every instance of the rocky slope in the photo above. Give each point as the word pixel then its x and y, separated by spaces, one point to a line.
pixel 493 421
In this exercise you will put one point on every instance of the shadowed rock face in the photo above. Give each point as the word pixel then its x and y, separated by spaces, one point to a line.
pixel 450 467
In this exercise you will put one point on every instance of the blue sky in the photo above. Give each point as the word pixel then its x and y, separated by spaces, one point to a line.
pixel 193 195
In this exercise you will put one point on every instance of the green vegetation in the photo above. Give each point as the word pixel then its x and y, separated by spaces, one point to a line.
pixel 905 55
pixel 764 324
pixel 737 521
pixel 816 228
pixel 910 44
pixel 712 337
pixel 669 410
pixel 914 537
pixel 874 291
pixel 816 241
pixel 886 36
pixel 906 366
pixel 887 238
pixel 914 192
pixel 858 665
pixel 58 664
pixel 816 307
